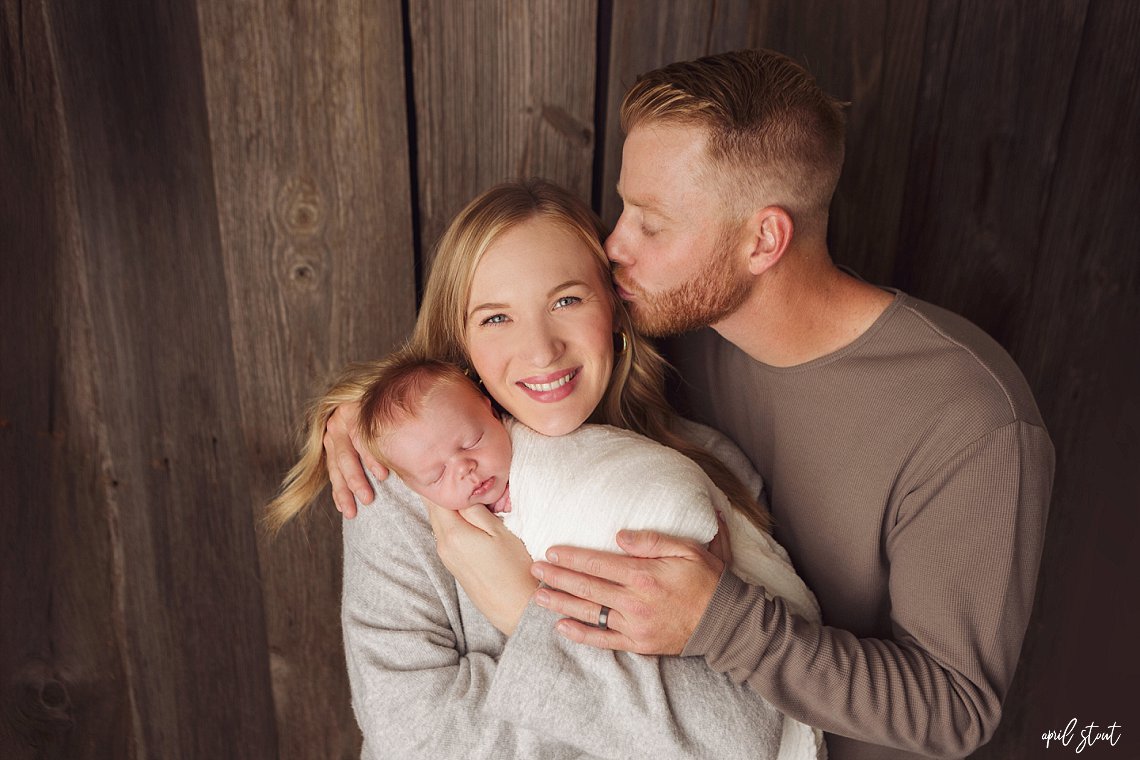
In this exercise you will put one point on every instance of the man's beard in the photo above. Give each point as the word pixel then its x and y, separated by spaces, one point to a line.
pixel 714 292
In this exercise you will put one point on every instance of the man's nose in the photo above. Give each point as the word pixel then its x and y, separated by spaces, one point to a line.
pixel 614 246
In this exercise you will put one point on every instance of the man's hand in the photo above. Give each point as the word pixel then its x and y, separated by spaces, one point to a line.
pixel 344 453
pixel 656 595
pixel 488 561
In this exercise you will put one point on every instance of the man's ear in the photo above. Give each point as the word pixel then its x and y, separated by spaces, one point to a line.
pixel 770 231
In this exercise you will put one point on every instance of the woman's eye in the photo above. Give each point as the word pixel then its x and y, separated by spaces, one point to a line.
pixel 647 231
pixel 566 301
pixel 494 319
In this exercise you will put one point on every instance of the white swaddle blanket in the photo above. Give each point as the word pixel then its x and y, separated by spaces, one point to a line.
pixel 580 489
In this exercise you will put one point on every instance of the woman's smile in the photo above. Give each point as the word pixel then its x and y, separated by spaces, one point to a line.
pixel 551 387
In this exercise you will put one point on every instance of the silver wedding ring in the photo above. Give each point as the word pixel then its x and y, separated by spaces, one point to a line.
pixel 603 617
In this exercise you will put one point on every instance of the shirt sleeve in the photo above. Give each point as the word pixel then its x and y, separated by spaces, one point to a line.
pixel 964 552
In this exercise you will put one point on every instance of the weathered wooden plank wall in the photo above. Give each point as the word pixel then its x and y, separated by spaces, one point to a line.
pixel 503 89
pixel 207 206
pixel 185 604
pixel 308 128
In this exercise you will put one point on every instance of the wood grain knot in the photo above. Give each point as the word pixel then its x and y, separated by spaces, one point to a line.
pixel 303 268
pixel 566 125
pixel 38 702
pixel 300 207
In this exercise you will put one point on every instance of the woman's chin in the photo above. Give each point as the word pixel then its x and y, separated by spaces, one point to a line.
pixel 554 425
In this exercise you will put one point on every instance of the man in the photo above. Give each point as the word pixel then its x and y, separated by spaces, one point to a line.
pixel 906 463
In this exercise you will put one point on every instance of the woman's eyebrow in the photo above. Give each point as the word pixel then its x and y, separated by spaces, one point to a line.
pixel 486 307
pixel 567 284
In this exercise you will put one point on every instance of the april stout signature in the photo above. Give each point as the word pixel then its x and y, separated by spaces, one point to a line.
pixel 1088 735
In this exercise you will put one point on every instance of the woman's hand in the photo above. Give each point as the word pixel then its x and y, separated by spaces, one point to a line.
pixel 490 562
pixel 656 595
pixel 344 453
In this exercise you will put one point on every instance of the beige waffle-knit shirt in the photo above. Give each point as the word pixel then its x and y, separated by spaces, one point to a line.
pixel 909 475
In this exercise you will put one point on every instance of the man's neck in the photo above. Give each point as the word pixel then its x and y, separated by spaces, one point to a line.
pixel 803 309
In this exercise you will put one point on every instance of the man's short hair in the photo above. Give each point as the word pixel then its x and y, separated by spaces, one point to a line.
pixel 774 137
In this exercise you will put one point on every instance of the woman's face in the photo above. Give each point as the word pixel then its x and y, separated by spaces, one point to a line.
pixel 540 326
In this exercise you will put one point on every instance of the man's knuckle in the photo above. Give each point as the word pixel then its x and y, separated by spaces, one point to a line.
pixel 583 588
pixel 638 611
pixel 644 581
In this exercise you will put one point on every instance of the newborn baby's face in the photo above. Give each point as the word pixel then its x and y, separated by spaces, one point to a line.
pixel 454 452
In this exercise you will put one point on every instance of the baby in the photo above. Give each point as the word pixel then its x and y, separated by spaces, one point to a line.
pixel 429 423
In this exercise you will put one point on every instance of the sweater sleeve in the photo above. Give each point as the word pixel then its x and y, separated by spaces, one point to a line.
pixel 964 551
pixel 431 678
pixel 419 678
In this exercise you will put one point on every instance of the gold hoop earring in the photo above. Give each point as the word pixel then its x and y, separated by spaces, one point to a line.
pixel 618 351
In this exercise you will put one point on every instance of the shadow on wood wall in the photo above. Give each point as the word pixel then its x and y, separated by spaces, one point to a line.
pixel 207 207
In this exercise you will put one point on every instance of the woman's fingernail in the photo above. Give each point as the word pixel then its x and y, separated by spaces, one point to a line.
pixel 541 598
pixel 536 571
pixel 552 555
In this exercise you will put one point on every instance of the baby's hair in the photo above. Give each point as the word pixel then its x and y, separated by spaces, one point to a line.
pixel 400 389
pixel 386 389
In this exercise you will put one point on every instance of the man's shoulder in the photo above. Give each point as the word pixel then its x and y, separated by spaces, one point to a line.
pixel 962 359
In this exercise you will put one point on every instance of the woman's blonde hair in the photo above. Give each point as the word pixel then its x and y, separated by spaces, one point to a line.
pixel 306 479
pixel 634 400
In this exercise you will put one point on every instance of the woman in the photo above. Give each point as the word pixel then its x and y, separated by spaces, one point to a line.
pixel 520 294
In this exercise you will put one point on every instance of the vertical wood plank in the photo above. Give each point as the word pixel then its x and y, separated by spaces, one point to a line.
pixel 645 35
pixel 189 626
pixel 310 152
pixel 61 674
pixel 1076 338
pixel 503 89
pixel 993 101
